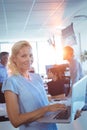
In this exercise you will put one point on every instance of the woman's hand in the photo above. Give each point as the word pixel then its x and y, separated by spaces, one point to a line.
pixel 57 106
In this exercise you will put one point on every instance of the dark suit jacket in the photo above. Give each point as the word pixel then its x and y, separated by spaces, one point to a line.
pixel 56 87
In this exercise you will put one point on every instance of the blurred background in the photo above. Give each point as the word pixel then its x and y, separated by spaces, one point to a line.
pixel 48 25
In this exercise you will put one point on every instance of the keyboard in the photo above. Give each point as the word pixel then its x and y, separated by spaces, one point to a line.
pixel 64 114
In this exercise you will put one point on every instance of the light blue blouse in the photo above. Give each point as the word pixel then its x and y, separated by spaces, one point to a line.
pixel 31 95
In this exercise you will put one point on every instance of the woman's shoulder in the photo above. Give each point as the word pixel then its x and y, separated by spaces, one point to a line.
pixel 51 83
pixel 11 77
pixel 10 84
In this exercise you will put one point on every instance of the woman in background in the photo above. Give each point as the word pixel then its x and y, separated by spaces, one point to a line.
pixel 56 85
pixel 25 96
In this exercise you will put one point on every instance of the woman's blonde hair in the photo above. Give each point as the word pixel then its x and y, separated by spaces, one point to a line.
pixel 14 51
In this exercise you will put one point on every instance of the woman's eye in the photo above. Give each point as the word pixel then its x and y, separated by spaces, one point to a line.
pixel 23 56
pixel 30 55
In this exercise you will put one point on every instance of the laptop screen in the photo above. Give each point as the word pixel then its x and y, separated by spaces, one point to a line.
pixel 78 94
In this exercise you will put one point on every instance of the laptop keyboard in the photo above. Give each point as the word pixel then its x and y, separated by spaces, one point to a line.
pixel 64 114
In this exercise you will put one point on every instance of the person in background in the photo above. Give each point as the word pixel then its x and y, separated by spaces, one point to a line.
pixel 56 85
pixel 25 96
pixel 76 72
pixel 3 72
pixel 3 66
pixel 75 67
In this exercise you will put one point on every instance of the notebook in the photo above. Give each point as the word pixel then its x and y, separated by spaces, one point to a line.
pixel 75 102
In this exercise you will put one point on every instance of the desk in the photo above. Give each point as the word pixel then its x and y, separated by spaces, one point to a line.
pixel 3 111
pixel 7 126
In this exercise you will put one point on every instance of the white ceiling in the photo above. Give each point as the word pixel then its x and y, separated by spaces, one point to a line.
pixel 33 19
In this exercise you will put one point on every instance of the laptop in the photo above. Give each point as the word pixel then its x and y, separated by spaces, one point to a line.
pixel 74 103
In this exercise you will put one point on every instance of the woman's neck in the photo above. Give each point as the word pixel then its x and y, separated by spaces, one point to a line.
pixel 25 74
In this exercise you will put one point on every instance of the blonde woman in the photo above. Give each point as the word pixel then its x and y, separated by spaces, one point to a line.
pixel 25 96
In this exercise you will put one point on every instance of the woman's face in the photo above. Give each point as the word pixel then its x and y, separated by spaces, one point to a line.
pixel 50 75
pixel 23 59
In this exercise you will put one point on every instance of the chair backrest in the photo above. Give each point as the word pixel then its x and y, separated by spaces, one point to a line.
pixel 2 98
pixel 67 84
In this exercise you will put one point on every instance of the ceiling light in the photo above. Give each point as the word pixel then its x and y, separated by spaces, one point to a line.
pixel 80 17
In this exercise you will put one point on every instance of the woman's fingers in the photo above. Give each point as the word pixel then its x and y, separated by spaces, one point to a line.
pixel 56 107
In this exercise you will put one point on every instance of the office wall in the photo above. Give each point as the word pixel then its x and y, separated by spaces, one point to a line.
pixel 81 33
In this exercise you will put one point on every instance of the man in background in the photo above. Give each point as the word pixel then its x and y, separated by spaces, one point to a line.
pixel 75 67
pixel 3 72
pixel 76 72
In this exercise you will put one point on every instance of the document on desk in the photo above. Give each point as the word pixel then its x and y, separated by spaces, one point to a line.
pixel 3 111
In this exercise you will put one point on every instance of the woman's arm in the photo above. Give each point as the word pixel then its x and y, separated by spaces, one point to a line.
pixel 18 118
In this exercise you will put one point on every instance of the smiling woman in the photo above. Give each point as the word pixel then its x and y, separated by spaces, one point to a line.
pixel 47 55
pixel 25 95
